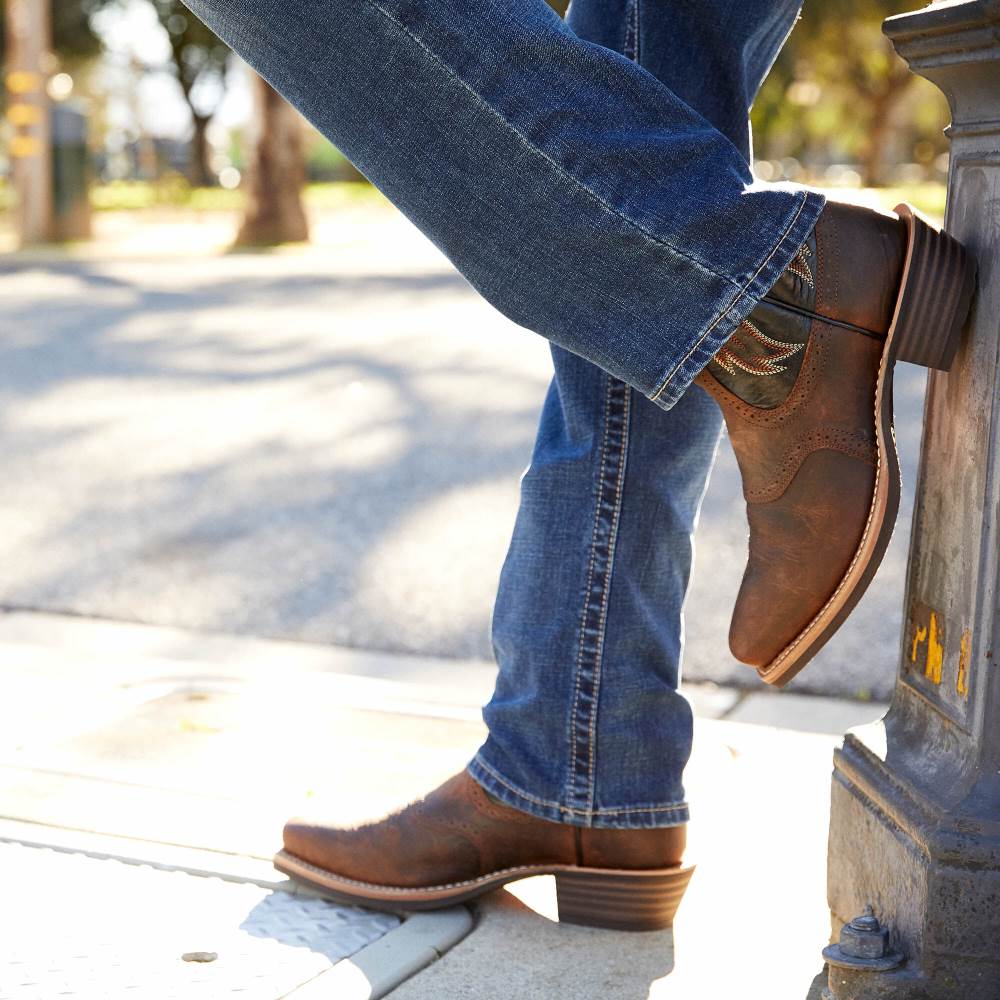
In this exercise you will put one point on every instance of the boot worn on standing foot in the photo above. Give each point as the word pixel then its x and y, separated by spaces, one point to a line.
pixel 805 385
pixel 459 842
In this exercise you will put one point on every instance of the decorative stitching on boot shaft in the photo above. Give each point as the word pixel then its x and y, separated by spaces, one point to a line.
pixel 813 365
pixel 761 359
pixel 800 265
pixel 743 351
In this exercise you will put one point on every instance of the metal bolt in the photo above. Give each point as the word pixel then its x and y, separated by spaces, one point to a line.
pixel 864 944
pixel 864 937
pixel 867 921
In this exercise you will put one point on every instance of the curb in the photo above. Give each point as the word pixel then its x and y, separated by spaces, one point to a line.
pixel 383 965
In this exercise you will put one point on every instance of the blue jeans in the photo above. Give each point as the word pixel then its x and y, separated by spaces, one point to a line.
pixel 586 725
pixel 591 179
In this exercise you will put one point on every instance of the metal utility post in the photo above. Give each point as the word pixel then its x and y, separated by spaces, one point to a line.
pixel 29 36
pixel 915 823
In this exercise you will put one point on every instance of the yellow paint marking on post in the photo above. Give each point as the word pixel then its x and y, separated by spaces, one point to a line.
pixel 919 636
pixel 24 114
pixel 935 652
pixel 22 81
pixel 22 146
pixel 962 680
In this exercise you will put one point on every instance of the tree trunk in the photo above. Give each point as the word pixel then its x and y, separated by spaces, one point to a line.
pixel 277 172
pixel 29 41
pixel 200 172
pixel 880 131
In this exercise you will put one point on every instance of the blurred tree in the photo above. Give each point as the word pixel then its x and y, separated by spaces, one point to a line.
pixel 72 35
pixel 837 89
pixel 38 39
pixel 838 92
pixel 277 171
pixel 277 161
pixel 199 62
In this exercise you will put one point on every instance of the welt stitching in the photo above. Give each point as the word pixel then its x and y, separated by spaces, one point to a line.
pixel 403 889
pixel 790 648
pixel 606 589
pixel 585 610
pixel 726 309
pixel 554 164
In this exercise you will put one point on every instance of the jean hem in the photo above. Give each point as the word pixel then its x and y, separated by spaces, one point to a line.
pixel 638 817
pixel 719 330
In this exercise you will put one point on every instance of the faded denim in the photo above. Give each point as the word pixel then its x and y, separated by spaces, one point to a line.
pixel 586 725
pixel 591 180
pixel 572 188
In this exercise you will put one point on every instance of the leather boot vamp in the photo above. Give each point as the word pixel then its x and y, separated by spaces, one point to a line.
pixel 808 469
pixel 801 546
pixel 458 832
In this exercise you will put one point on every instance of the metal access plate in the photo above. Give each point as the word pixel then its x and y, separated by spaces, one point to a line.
pixel 76 926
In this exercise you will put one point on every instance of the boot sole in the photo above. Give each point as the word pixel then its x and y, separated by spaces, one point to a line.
pixel 614 898
pixel 935 296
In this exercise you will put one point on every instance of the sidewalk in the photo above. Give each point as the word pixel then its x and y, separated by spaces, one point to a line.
pixel 321 443
pixel 149 757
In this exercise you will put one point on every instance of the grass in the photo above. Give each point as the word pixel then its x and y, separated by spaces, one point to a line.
pixel 176 193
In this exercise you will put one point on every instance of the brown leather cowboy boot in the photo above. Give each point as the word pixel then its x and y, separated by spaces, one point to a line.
pixel 805 384
pixel 459 842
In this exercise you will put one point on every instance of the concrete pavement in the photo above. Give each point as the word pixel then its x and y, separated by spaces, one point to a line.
pixel 318 444
pixel 184 752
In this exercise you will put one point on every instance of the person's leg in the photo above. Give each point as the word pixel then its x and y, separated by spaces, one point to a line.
pixel 589 202
pixel 576 191
pixel 586 713
pixel 586 725
pixel 713 55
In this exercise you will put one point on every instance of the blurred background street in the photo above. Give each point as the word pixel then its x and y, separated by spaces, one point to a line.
pixel 319 444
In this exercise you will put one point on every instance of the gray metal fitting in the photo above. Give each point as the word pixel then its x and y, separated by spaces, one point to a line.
pixel 864 944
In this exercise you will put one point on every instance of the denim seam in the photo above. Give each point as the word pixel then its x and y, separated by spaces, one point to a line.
pixel 560 170
pixel 732 304
pixel 614 449
pixel 606 593
pixel 549 804
pixel 578 674
pixel 631 46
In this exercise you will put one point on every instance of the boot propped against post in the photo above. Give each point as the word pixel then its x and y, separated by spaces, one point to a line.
pixel 805 384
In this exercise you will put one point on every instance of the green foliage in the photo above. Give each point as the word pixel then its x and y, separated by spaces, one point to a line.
pixel 198 54
pixel 175 192
pixel 838 92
